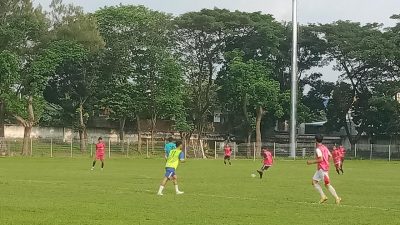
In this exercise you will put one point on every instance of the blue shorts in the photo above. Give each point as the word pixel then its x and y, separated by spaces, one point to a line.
pixel 169 172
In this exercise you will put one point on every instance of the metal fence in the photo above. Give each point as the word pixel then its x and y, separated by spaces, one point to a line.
pixel 39 147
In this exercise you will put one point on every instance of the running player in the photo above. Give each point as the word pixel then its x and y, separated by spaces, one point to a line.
pixel 322 161
pixel 337 159
pixel 227 154
pixel 267 161
pixel 100 148
pixel 343 154
pixel 175 156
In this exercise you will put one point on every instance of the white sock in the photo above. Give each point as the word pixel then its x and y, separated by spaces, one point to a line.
pixel 161 189
pixel 332 190
pixel 176 188
pixel 319 189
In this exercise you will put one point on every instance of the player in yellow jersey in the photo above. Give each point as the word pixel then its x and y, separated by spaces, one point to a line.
pixel 174 157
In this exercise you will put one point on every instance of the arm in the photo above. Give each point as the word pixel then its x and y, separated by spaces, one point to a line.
pixel 318 160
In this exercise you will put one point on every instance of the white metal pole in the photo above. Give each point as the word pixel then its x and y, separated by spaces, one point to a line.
pixel 355 150
pixel 147 148
pixel 51 148
pixel 31 147
pixel 389 152
pixel 71 148
pixel 234 150
pixel 370 154
pixel 254 151
pixel 91 147
pixel 109 147
pixel 274 149
pixel 215 150
pixel 127 149
pixel 293 105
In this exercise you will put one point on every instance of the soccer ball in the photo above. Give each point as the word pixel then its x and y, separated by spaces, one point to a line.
pixel 253 175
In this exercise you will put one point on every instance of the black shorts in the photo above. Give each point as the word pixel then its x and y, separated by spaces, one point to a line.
pixel 227 157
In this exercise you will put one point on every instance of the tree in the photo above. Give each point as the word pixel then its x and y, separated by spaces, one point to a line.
pixel 138 47
pixel 249 86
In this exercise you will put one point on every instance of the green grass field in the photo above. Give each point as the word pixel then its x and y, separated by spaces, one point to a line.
pixel 65 191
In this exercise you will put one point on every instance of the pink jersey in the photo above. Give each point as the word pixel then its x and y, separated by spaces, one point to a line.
pixel 322 151
pixel 342 151
pixel 337 156
pixel 268 159
pixel 100 147
pixel 227 151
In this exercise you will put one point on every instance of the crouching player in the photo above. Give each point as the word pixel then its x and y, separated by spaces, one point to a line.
pixel 174 157
pixel 267 161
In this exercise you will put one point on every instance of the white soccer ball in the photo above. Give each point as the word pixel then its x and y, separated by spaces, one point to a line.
pixel 253 175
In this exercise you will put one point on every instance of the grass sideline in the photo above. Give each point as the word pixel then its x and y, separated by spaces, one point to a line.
pixel 65 191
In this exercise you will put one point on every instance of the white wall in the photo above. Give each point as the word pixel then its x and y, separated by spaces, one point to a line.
pixel 14 131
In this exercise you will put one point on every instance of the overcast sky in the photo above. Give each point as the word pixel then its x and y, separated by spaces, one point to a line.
pixel 309 11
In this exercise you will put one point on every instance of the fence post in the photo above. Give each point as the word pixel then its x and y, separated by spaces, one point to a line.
pixel 215 149
pixel 370 154
pixel 147 147
pixel 127 149
pixel 234 150
pixel 91 147
pixel 31 146
pixel 71 147
pixel 51 147
pixel 185 141
pixel 109 147
pixel 274 149
pixel 389 152
pixel 355 150
pixel 254 151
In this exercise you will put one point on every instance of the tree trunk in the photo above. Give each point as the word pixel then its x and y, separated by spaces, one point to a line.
pixel 82 129
pixel 2 117
pixel 26 144
pixel 248 151
pixel 122 128
pixel 139 131
pixel 260 114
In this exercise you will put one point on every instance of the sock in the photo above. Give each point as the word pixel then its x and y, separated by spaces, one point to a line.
pixel 332 190
pixel 224 162
pixel 229 162
pixel 94 163
pixel 102 165
pixel 319 189
pixel 341 169
pixel 176 188
pixel 160 189
pixel 337 171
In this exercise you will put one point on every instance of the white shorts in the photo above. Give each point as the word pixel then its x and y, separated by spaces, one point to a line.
pixel 321 175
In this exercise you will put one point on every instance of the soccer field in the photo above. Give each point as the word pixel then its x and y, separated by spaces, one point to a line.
pixel 65 191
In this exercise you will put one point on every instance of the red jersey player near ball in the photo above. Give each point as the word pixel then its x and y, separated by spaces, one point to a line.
pixel 337 159
pixel 100 148
pixel 267 161
pixel 322 161
pixel 227 154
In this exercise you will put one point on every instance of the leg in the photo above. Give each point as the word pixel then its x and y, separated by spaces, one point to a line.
pixel 163 183
pixel 102 164
pixel 94 163
pixel 225 160
pixel 341 167
pixel 229 160
pixel 337 169
pixel 331 189
pixel 261 171
pixel 320 191
pixel 175 181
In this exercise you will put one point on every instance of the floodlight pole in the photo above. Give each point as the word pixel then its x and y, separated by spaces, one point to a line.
pixel 293 106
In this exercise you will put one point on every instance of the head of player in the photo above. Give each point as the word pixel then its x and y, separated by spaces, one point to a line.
pixel 100 139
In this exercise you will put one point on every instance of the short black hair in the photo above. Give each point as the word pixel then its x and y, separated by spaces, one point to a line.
pixel 100 138
pixel 170 139
pixel 319 138
pixel 264 147
pixel 178 143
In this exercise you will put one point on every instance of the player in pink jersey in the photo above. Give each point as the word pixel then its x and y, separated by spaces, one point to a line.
pixel 322 161
pixel 267 161
pixel 100 149
pixel 227 154
pixel 343 154
pixel 337 159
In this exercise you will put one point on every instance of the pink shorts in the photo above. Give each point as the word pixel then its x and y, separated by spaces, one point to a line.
pixel 99 157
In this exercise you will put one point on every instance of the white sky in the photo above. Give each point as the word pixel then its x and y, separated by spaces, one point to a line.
pixel 309 11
